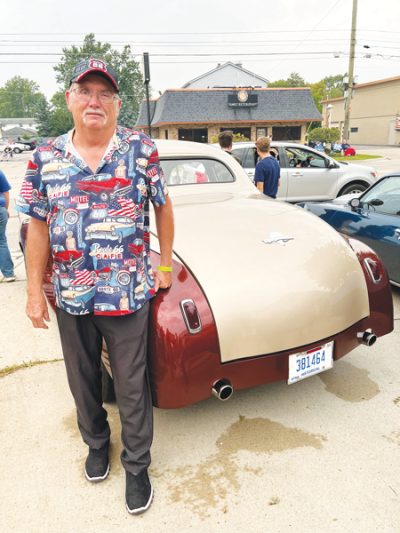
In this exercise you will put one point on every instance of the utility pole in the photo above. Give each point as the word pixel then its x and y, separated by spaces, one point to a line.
pixel 146 80
pixel 346 128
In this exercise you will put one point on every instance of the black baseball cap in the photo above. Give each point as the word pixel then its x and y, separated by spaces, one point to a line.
pixel 97 66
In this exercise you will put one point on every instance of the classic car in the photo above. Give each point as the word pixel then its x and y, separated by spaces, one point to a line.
pixel 105 186
pixel 306 174
pixel 59 170
pixel 112 228
pixel 262 291
pixel 372 217
pixel 78 295
pixel 67 259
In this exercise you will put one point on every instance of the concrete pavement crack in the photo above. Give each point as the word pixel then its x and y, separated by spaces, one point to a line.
pixel 14 368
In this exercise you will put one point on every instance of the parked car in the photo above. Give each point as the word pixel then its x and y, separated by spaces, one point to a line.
pixel 306 174
pixel 17 148
pixel 262 291
pixel 372 217
pixel 33 142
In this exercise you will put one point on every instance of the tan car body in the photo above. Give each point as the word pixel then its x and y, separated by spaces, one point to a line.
pixel 265 297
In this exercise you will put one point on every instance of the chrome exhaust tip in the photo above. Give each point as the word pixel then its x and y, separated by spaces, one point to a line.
pixel 222 389
pixel 368 338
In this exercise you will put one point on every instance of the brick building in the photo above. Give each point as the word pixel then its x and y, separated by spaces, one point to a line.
pixel 200 114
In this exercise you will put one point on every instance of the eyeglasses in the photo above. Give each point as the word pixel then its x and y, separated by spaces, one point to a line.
pixel 105 97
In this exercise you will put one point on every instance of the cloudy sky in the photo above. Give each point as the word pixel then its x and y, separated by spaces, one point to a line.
pixel 187 38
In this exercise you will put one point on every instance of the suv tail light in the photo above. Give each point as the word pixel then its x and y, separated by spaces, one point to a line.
pixel 191 316
pixel 373 270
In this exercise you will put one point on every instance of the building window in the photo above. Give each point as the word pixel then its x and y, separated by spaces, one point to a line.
pixel 166 134
pixel 261 132
pixel 246 132
pixel 287 133
pixel 353 130
pixel 196 135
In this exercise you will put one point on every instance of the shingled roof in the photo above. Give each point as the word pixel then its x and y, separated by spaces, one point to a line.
pixel 188 106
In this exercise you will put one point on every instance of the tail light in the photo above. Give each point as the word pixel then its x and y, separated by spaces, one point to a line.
pixel 373 270
pixel 191 316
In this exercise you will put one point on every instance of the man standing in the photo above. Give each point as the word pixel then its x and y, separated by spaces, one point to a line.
pixel 268 171
pixel 225 139
pixel 6 264
pixel 96 147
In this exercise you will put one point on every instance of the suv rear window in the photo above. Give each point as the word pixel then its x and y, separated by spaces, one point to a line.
pixel 195 171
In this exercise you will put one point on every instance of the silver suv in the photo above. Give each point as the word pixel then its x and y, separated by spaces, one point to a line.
pixel 307 174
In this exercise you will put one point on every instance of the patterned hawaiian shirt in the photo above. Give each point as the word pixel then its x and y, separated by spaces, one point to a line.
pixel 98 223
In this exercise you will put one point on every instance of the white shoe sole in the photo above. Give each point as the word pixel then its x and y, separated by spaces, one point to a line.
pixel 97 479
pixel 142 509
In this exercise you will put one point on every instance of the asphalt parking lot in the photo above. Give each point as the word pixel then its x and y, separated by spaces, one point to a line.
pixel 319 456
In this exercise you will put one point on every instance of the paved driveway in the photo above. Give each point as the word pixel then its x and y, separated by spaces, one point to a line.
pixel 389 163
pixel 319 456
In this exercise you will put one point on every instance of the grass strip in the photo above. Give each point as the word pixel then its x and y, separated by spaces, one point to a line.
pixel 357 157
pixel 14 368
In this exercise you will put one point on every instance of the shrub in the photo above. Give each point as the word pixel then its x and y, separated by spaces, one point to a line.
pixel 327 135
pixel 236 138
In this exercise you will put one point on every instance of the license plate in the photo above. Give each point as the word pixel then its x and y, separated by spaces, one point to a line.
pixel 305 364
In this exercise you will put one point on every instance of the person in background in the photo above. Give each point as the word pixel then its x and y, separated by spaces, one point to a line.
pixel 268 171
pixel 225 139
pixel 337 148
pixel 319 147
pixel 6 264
pixel 7 152
pixel 345 145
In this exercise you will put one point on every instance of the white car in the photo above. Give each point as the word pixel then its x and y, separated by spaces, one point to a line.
pixel 17 148
pixel 307 174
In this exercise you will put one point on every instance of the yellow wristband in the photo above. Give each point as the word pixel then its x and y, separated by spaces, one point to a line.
pixel 164 269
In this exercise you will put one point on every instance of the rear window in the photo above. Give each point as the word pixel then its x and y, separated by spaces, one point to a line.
pixel 195 171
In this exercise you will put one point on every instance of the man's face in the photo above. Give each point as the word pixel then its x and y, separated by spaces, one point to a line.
pixel 93 114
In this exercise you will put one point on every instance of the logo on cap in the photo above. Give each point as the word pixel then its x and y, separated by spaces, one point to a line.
pixel 96 63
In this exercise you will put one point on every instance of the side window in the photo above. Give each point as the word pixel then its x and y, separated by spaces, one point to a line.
pixel 304 159
pixel 195 171
pixel 384 197
pixel 249 161
pixel 240 152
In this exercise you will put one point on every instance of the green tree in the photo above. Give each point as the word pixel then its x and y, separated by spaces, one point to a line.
pixel 294 80
pixel 18 98
pixel 327 135
pixel 334 85
pixel 318 91
pixel 129 75
pixel 42 115
pixel 127 116
pixel 60 122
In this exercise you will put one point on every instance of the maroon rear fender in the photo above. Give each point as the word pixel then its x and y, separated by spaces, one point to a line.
pixel 182 366
pixel 380 318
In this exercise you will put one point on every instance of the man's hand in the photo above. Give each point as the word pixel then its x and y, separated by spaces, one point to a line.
pixel 162 280
pixel 36 310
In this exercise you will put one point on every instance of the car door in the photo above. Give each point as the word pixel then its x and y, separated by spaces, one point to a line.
pixel 376 222
pixel 309 177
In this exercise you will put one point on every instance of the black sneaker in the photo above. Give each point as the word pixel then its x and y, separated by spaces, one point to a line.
pixel 139 492
pixel 97 466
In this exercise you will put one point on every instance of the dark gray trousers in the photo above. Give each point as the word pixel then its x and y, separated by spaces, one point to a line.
pixel 126 338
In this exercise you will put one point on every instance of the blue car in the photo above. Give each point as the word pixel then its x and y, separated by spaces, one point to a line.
pixel 372 217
